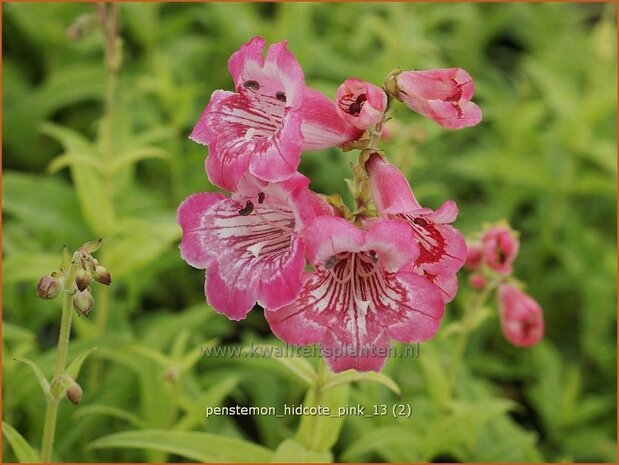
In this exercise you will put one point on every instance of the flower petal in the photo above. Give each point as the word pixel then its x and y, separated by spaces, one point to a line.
pixel 390 189
pixel 329 235
pixel 191 216
pixel 246 59
pixel 393 242
pixel 422 309
pixel 226 297
pixel 322 126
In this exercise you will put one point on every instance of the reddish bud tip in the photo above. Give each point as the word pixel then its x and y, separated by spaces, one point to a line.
pixel 74 393
pixel 102 275
pixel 83 278
pixel 83 302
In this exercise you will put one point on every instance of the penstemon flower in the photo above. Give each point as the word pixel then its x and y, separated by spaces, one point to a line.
pixel 361 103
pixel 442 247
pixel 249 244
pixel 443 95
pixel 272 116
pixel 362 294
pixel 380 271
pixel 500 248
pixel 522 320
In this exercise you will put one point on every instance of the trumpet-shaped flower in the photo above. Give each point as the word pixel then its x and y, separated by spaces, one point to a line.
pixel 500 248
pixel 264 125
pixel 250 244
pixel 361 103
pixel 442 249
pixel 522 319
pixel 361 294
pixel 443 95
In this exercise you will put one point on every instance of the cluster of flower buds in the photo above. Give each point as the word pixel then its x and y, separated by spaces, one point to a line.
pixel 491 257
pixel 382 270
pixel 75 276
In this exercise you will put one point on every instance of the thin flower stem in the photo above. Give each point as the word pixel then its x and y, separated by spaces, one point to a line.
pixel 476 302
pixel 51 414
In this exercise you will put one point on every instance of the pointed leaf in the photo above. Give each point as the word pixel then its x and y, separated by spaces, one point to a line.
pixel 45 387
pixel 23 451
pixel 299 366
pixel 135 155
pixel 351 376
pixel 75 366
pixel 202 447
pixel 96 409
pixel 72 158
pixel 291 451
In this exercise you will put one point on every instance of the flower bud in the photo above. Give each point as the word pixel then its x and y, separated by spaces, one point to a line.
pixel 477 281
pixel 83 302
pixel 74 393
pixel 102 275
pixel 474 256
pixel 361 103
pixel 50 287
pixel 500 248
pixel 522 320
pixel 83 278
pixel 442 95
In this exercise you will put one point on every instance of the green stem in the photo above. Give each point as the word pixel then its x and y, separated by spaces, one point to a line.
pixel 51 414
pixel 476 302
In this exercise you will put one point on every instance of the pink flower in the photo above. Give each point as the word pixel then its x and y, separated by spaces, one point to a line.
pixel 361 103
pixel 264 125
pixel 477 281
pixel 250 244
pixel 361 295
pixel 442 247
pixel 443 95
pixel 500 248
pixel 522 320
pixel 474 256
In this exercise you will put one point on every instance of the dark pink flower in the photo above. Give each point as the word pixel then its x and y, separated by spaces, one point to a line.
pixel 443 95
pixel 264 125
pixel 500 248
pixel 361 103
pixel 249 244
pixel 442 247
pixel 362 294
pixel 522 319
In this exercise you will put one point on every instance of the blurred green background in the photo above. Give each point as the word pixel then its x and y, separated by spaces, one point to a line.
pixel 544 158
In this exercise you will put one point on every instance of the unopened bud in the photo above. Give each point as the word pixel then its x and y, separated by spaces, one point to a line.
pixel 74 393
pixel 83 278
pixel 49 287
pixel 102 275
pixel 477 281
pixel 83 302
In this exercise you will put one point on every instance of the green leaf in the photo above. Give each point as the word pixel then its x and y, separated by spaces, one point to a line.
pixel 28 267
pixel 318 432
pixel 96 409
pixel 202 447
pixel 380 439
pixel 299 366
pixel 132 156
pixel 72 159
pixel 212 397
pixel 75 366
pixel 351 376
pixel 23 451
pixel 152 354
pixel 291 451
pixel 45 387
pixel 11 332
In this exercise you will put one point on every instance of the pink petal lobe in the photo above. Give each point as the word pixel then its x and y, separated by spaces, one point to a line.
pixel 360 103
pixel 226 297
pixel 247 58
pixel 322 126
pixel 328 236
pixel 424 309
pixel 341 358
pixel 191 216
pixel 393 242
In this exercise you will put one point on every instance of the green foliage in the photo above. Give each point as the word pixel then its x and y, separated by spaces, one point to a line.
pixel 544 158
